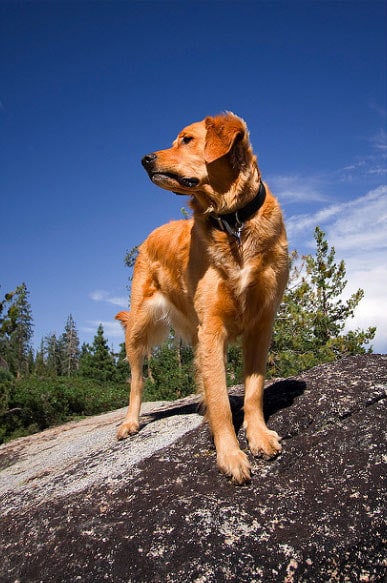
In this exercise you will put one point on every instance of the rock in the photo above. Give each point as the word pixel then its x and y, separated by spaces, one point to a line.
pixel 154 508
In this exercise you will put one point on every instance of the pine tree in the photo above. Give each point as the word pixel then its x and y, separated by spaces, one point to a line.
pixel 40 364
pixel 311 319
pixel 53 355
pixel 85 361
pixel 6 327
pixel 16 330
pixel 97 361
pixel 327 282
pixel 130 260
pixel 170 370
pixel 70 348
pixel 122 365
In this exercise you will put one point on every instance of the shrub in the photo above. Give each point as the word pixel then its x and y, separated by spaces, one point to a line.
pixel 34 404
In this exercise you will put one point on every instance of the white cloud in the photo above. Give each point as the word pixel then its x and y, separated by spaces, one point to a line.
pixel 356 221
pixel 357 229
pixel 296 188
pixel 372 310
pixel 111 328
pixel 297 224
pixel 379 140
pixel 362 224
pixel 104 296
pixel 371 165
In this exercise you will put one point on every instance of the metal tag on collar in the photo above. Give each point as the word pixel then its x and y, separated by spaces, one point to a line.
pixel 234 231
pixel 239 226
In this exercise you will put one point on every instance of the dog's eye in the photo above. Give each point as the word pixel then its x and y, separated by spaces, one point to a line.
pixel 186 139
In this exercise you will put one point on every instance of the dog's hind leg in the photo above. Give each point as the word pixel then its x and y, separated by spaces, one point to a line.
pixel 131 423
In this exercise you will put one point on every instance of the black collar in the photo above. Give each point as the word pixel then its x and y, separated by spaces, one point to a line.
pixel 233 223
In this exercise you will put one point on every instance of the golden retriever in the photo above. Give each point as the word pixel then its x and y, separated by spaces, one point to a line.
pixel 215 278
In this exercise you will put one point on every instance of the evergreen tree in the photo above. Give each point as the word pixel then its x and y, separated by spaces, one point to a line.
pixel 16 330
pixel 85 361
pixel 39 364
pixel 30 361
pixel 327 280
pixel 170 371
pixel 122 365
pixel 97 361
pixel 70 348
pixel 310 323
pixel 53 355
pixel 234 367
pixel 6 327
pixel 130 260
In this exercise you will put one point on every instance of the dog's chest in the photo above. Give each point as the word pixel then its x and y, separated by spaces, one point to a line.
pixel 238 271
pixel 242 278
pixel 239 278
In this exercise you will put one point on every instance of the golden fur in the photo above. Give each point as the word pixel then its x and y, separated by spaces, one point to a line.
pixel 210 289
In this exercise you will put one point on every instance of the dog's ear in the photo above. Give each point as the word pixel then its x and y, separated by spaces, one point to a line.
pixel 223 132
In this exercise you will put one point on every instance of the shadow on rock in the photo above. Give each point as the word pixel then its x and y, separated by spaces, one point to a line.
pixel 281 395
pixel 190 406
pixel 278 396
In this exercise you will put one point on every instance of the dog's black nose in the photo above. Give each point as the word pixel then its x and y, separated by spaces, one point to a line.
pixel 148 159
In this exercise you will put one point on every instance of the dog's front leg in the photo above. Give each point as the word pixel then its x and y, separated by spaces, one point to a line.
pixel 212 376
pixel 262 441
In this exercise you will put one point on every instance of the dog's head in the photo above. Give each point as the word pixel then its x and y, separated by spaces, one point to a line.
pixel 210 160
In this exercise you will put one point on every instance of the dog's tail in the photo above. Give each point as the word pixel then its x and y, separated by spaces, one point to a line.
pixel 123 317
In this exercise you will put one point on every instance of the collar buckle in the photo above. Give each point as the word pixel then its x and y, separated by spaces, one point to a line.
pixel 235 230
pixel 233 223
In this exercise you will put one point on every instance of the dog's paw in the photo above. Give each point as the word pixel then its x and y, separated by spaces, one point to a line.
pixel 264 443
pixel 236 465
pixel 127 428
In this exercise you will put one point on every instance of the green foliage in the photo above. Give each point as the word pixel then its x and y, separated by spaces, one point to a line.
pixel 16 330
pixel 69 342
pixel 170 372
pixel 6 382
pixel 57 390
pixel 234 367
pixel 97 361
pixel 131 256
pixel 122 365
pixel 53 355
pixel 130 260
pixel 59 356
pixel 312 317
pixel 34 404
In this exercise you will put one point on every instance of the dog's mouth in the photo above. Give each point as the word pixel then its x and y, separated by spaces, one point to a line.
pixel 164 178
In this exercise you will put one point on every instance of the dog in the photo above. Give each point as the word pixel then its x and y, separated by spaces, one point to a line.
pixel 215 278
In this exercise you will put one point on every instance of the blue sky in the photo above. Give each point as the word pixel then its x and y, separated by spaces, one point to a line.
pixel 88 88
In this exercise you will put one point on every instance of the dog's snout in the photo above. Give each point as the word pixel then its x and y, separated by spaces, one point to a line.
pixel 148 159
